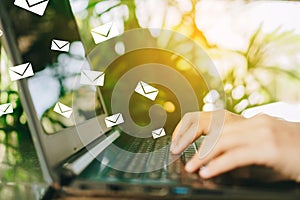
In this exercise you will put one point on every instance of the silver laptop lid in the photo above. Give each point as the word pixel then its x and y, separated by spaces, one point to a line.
pixel 64 115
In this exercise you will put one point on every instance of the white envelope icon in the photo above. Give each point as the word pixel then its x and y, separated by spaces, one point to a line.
pixel 35 6
pixel 92 78
pixel 158 133
pixel 63 110
pixel 114 120
pixel 6 109
pixel 146 90
pixel 105 32
pixel 20 71
pixel 60 45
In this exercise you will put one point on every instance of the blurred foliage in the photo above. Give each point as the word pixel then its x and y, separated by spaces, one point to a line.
pixel 260 77
pixel 18 160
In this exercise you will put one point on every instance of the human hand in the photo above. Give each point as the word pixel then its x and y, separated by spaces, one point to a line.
pixel 261 140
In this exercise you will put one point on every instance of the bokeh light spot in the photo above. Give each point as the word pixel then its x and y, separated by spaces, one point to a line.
pixel 169 106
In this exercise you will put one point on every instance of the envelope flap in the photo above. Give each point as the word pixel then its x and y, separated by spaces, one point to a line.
pixel 113 118
pixel 20 69
pixel 147 89
pixel 5 107
pixel 60 43
pixel 158 131
pixel 103 30
pixel 92 75
pixel 63 108
pixel 32 3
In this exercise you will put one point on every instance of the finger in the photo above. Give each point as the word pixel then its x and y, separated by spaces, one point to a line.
pixel 194 164
pixel 203 119
pixel 183 125
pixel 229 139
pixel 199 122
pixel 234 158
pixel 214 133
pixel 183 142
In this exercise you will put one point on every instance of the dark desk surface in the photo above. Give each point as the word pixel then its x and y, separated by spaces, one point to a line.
pixel 20 173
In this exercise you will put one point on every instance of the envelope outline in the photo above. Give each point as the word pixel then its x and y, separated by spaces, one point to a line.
pixel 150 94
pixel 37 3
pixel 99 77
pixel 107 32
pixel 28 69
pixel 114 120
pixel 55 46
pixel 7 110
pixel 37 7
pixel 143 87
pixel 104 32
pixel 158 133
pixel 64 112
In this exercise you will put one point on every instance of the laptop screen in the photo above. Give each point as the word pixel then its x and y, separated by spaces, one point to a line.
pixel 51 45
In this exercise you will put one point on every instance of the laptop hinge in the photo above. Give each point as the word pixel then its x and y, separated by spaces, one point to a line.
pixel 74 168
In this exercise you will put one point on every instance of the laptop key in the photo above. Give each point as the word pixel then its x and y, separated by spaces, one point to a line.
pixel 174 170
pixel 139 161
pixel 119 162
pixel 155 174
pixel 132 176
pixel 189 152
pixel 113 173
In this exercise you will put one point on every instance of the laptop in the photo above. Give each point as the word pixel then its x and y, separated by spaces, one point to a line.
pixel 81 134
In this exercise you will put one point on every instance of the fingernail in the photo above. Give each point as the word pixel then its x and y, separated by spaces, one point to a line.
pixel 189 167
pixel 204 172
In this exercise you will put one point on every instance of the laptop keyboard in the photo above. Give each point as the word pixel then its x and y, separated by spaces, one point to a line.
pixel 169 168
